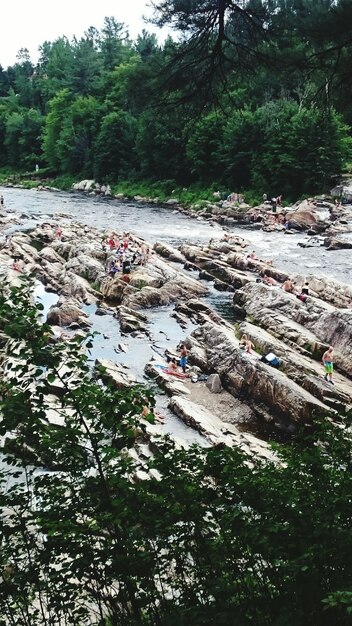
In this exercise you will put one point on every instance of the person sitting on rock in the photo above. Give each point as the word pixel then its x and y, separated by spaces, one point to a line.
pixel 149 411
pixel 115 267
pixel 268 280
pixel 304 293
pixel 288 286
pixel 18 264
pixel 173 365
pixel 246 344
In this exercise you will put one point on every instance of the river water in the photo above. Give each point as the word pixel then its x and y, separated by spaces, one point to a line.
pixel 155 223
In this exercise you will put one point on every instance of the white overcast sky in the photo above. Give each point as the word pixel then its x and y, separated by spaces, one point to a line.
pixel 28 23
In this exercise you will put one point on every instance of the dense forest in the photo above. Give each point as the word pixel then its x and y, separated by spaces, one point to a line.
pixel 250 95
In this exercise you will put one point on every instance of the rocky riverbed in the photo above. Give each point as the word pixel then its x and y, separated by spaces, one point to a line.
pixel 173 287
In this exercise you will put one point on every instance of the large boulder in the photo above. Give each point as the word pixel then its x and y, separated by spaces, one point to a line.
pixel 66 312
pixel 270 391
pixel 214 383
pixel 336 329
pixel 50 255
pixel 333 243
pixel 113 289
pixel 303 217
pixel 159 284
pixel 216 431
pixel 168 252
pixel 78 288
pixel 328 289
pixel 131 321
pixel 84 185
pixel 85 266
pixel 114 373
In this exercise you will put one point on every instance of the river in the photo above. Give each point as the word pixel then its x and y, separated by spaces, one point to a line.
pixel 155 223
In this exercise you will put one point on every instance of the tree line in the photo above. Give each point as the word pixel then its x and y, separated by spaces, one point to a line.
pixel 249 95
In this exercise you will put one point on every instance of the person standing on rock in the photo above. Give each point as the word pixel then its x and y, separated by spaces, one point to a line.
pixel 328 362
pixel 183 358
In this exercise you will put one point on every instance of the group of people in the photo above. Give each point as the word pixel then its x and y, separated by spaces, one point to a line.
pixel 274 202
pixel 235 197
pixel 119 257
pixel 290 287
pixel 327 359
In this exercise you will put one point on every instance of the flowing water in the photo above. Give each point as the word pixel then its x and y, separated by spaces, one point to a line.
pixel 155 223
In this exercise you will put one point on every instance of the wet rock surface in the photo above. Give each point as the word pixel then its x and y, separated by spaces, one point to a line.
pixel 240 385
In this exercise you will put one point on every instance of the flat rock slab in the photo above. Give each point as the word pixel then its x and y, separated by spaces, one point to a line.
pixel 114 373
pixel 217 431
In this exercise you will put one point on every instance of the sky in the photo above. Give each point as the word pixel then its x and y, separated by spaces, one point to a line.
pixel 28 23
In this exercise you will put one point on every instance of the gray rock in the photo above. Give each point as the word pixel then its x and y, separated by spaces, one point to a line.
pixel 214 383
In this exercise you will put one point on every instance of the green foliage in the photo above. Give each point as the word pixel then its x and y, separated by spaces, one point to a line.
pixel 284 147
pixel 209 535
pixel 253 96
pixel 160 146
pixel 114 146
pixel 203 148
pixel 63 182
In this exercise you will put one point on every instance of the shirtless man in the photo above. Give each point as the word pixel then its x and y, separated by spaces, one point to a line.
pixel 246 344
pixel 328 362
pixel 288 286
pixel 183 358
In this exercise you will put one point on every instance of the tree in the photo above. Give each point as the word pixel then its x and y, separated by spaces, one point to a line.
pixel 55 64
pixel 84 74
pixel 114 43
pixel 203 148
pixel 160 145
pixel 77 136
pixel 58 111
pixel 23 138
pixel 206 535
pixel 216 39
pixel 114 146
pixel 146 44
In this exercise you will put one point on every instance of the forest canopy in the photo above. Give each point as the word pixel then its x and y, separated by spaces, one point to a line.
pixel 253 94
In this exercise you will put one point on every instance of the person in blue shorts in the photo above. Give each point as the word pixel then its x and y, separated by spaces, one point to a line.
pixel 183 358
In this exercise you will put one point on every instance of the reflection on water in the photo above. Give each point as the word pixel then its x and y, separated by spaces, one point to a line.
pixel 45 298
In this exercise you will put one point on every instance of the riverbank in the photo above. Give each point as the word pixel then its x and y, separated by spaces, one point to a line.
pixel 73 267
pixel 325 219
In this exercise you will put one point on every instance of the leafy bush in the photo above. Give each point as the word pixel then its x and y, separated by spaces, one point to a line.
pixel 209 534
